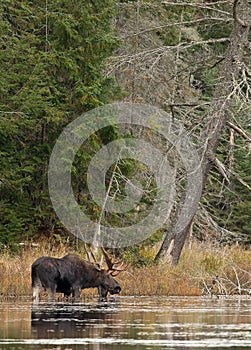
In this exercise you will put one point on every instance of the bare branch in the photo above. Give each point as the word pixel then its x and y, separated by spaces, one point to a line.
pixel 221 167
pixel 239 131
pixel 239 179
pixel 176 24
pixel 198 5
pixel 5 112
pixel 119 61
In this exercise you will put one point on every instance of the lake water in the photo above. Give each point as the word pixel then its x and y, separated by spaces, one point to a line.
pixel 127 323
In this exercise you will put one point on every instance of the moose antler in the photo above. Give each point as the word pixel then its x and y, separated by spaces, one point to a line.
pixel 114 267
pixel 91 256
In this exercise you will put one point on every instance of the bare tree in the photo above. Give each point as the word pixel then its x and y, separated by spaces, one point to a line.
pixel 218 115
pixel 155 70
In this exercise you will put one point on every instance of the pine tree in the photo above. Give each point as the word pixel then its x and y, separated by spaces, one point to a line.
pixel 52 57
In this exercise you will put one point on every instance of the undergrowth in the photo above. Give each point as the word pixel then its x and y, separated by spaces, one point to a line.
pixel 203 269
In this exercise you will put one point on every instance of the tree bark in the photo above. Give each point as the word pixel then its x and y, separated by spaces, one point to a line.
pixel 217 119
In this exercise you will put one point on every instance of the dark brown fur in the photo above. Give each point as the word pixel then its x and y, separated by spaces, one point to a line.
pixel 69 275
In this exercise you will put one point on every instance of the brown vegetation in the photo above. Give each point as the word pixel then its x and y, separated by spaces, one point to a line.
pixel 203 269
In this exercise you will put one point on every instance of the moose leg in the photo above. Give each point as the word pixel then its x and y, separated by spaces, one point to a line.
pixel 51 290
pixel 67 294
pixel 76 292
pixel 35 293
pixel 36 283
pixel 103 292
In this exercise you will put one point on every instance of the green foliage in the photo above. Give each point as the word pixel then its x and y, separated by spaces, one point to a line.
pixel 51 72
pixel 143 254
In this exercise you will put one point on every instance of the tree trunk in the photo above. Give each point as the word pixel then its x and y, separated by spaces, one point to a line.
pixel 217 118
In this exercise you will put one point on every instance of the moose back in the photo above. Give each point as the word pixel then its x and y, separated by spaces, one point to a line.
pixel 69 275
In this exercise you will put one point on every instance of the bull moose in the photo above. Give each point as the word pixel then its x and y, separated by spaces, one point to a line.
pixel 69 275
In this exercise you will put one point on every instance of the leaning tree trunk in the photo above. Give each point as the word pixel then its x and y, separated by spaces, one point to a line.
pixel 217 119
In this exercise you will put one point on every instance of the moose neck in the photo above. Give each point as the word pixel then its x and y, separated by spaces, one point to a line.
pixel 94 279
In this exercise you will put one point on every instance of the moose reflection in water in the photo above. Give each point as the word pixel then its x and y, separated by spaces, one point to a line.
pixel 76 320
pixel 127 323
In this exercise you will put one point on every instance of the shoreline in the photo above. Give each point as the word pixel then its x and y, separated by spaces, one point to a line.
pixel 204 269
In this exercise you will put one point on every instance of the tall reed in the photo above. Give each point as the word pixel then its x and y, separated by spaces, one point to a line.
pixel 203 269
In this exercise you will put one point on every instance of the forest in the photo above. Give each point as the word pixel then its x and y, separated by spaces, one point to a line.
pixel 62 58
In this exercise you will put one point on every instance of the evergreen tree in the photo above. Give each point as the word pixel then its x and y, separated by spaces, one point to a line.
pixel 52 57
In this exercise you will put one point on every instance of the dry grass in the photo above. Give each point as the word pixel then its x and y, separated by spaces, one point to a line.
pixel 202 269
pixel 15 269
